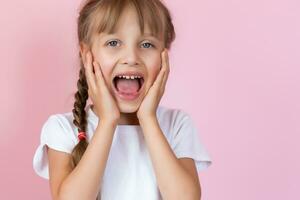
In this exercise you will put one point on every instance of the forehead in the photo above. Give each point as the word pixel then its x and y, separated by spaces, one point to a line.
pixel 128 19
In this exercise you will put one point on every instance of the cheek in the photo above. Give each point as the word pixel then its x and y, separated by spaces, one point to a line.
pixel 107 63
pixel 153 68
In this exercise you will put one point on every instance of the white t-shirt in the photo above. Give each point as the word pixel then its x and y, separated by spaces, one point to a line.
pixel 129 174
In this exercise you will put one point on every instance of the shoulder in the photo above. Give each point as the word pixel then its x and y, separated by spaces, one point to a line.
pixel 57 129
pixel 172 116
pixel 63 121
pixel 173 120
pixel 183 136
pixel 57 133
pixel 64 117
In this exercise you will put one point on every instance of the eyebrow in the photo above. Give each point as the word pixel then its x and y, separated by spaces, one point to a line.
pixel 145 35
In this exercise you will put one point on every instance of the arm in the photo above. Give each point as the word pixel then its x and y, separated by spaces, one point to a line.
pixel 84 181
pixel 174 180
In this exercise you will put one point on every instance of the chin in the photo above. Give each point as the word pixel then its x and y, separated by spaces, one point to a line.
pixel 126 107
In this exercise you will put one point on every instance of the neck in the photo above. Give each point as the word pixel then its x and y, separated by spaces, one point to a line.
pixel 128 119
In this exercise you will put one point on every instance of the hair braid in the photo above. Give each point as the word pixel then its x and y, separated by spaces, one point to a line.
pixel 79 114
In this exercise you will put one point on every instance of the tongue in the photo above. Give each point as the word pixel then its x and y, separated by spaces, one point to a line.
pixel 128 86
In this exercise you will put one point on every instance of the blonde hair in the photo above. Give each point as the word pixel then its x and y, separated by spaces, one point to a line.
pixel 98 16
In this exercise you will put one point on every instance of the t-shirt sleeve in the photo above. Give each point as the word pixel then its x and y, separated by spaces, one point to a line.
pixel 57 135
pixel 187 142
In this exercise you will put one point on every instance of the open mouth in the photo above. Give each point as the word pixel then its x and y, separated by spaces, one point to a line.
pixel 128 86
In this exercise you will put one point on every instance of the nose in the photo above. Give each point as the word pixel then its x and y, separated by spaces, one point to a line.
pixel 131 57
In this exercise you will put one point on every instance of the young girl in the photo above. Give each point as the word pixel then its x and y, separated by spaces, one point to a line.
pixel 124 145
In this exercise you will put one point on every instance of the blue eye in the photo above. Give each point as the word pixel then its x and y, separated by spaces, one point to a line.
pixel 151 45
pixel 112 43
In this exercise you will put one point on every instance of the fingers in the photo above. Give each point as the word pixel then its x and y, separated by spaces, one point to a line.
pixel 98 73
pixel 91 80
pixel 164 71
pixel 166 66
pixel 159 78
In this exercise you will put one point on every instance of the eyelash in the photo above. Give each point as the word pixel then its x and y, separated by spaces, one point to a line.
pixel 152 46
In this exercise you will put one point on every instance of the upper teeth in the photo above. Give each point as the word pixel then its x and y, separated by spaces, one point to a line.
pixel 130 77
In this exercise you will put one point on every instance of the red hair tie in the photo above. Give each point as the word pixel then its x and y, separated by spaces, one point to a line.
pixel 82 135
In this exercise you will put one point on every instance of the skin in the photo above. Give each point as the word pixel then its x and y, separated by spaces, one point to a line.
pixel 176 177
pixel 126 50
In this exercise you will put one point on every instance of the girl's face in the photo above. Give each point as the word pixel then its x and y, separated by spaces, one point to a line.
pixel 127 51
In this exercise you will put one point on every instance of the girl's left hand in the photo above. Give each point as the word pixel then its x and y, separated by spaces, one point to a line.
pixel 153 96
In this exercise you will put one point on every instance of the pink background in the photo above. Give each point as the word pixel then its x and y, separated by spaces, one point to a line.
pixel 234 68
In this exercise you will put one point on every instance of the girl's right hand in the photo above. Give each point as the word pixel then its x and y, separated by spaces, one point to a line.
pixel 104 103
